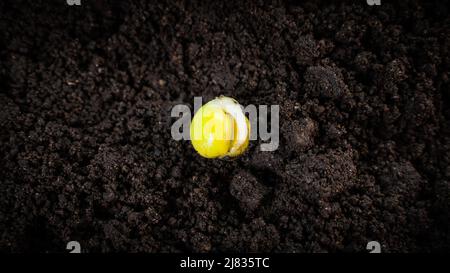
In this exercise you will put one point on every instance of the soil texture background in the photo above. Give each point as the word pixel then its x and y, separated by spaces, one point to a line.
pixel 86 152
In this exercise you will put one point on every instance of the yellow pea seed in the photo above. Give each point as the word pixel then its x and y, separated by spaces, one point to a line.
pixel 220 129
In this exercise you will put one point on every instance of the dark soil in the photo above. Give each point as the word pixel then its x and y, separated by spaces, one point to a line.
pixel 86 151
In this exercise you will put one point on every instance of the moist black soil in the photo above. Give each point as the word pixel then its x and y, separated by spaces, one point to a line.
pixel 87 154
